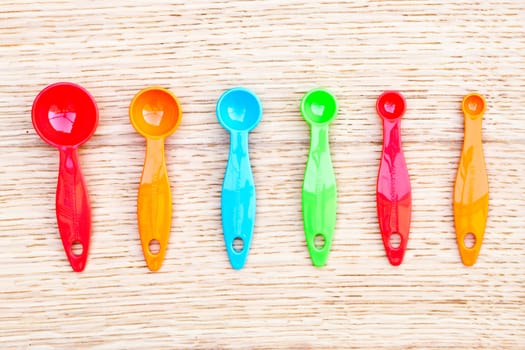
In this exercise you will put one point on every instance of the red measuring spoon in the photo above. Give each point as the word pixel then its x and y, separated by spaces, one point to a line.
pixel 394 197
pixel 65 115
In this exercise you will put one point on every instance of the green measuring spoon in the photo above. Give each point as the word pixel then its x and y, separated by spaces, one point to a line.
pixel 319 109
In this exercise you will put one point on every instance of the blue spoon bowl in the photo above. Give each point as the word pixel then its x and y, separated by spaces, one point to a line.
pixel 239 109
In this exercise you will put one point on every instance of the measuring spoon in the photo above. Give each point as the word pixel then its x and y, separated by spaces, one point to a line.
pixel 471 191
pixel 239 111
pixel 393 195
pixel 65 116
pixel 155 113
pixel 319 109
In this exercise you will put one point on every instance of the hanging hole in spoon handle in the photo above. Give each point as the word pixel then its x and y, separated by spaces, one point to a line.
pixel 395 245
pixel 319 246
pixel 237 249
pixel 154 246
pixel 319 241
pixel 72 209
pixel 469 245
pixel 238 245
pixel 393 194
pixel 154 251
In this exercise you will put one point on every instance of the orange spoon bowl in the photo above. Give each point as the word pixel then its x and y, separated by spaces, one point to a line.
pixel 474 105
pixel 155 113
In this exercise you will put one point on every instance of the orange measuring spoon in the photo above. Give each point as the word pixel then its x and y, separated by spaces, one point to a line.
pixel 155 113
pixel 471 191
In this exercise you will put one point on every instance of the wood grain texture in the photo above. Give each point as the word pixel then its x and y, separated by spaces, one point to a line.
pixel 433 51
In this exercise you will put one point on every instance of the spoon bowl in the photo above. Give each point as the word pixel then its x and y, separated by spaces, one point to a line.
pixel 319 107
pixel 155 112
pixel 391 105
pixel 64 114
pixel 473 105
pixel 239 109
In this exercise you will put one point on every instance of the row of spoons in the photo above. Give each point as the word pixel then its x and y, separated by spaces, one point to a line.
pixel 65 115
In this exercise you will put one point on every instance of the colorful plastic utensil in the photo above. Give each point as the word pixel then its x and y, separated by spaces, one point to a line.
pixel 471 191
pixel 155 113
pixel 394 196
pixel 238 111
pixel 65 116
pixel 319 109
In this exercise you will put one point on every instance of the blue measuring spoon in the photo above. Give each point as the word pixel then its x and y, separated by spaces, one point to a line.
pixel 238 111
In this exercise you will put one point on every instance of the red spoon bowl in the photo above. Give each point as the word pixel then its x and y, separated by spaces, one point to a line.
pixel 65 115
pixel 391 105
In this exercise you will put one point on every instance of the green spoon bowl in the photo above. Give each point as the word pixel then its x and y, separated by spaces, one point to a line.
pixel 319 107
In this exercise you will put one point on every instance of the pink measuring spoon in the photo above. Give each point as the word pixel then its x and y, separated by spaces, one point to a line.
pixel 394 196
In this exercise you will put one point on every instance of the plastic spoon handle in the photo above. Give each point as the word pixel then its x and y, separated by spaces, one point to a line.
pixel 72 208
pixel 154 204
pixel 319 196
pixel 394 197
pixel 471 191
pixel 238 199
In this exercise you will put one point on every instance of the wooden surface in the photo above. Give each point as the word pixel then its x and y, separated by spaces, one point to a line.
pixel 433 51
